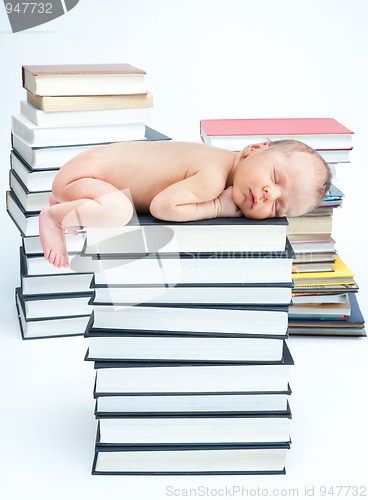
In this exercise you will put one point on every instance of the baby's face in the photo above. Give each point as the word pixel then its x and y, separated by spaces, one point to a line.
pixel 268 183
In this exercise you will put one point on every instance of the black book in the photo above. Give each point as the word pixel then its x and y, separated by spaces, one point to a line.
pixel 243 319
pixel 54 306
pixel 30 201
pixel 48 327
pixel 143 378
pixel 190 405
pixel 74 243
pixel 145 235
pixel 109 345
pixel 196 293
pixel 195 430
pixel 26 222
pixel 205 460
pixel 53 283
pixel 205 268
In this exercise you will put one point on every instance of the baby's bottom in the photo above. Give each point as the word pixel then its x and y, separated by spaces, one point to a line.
pixel 80 202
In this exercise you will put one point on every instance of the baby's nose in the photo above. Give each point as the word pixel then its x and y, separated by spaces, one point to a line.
pixel 271 193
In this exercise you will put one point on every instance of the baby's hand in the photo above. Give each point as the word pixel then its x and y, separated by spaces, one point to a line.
pixel 226 206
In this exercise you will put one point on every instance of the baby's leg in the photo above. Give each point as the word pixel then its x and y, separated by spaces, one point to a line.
pixel 70 230
pixel 82 202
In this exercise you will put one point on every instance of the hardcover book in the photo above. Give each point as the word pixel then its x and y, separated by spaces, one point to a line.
pixel 83 79
pixel 70 118
pixel 137 378
pixel 253 320
pixel 48 327
pixel 196 431
pixel 35 135
pixel 161 268
pixel 53 157
pixel 186 347
pixel 235 134
pixel 90 102
pixel 192 404
pixel 215 459
pixel 145 235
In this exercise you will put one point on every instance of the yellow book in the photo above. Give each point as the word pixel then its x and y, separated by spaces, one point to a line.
pixel 341 274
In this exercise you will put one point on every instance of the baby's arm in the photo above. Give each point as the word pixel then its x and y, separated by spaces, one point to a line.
pixel 200 196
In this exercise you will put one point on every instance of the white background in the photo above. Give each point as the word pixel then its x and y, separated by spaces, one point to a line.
pixel 204 59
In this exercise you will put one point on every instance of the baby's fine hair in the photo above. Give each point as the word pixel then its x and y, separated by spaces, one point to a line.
pixel 323 171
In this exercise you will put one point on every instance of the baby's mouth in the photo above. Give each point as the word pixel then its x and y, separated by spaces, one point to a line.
pixel 252 199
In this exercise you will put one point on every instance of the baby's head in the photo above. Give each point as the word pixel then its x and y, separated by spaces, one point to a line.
pixel 280 178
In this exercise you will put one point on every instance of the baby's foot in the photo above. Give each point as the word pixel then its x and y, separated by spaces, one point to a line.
pixel 73 230
pixel 52 240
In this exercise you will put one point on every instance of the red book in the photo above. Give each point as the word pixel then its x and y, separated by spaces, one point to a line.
pixel 235 134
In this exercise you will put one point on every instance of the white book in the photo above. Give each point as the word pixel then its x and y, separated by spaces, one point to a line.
pixel 71 118
pixel 76 134
pixel 152 270
pixel 257 321
pixel 213 460
pixel 193 403
pixel 46 158
pixel 50 327
pixel 74 244
pixel 193 348
pixel 27 223
pixel 56 283
pixel 199 430
pixel 33 180
pixel 173 379
pixel 56 306
pixel 215 294
pixel 30 201
pixel 37 265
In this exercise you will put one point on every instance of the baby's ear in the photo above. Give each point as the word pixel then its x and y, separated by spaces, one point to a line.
pixel 260 145
pixel 254 147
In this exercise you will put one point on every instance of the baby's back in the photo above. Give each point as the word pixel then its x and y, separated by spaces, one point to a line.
pixel 146 168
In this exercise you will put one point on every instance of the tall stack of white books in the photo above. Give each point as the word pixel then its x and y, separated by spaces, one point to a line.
pixel 188 337
pixel 67 110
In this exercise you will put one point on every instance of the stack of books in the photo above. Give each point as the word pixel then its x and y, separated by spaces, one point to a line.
pixel 188 339
pixel 68 109
pixel 324 294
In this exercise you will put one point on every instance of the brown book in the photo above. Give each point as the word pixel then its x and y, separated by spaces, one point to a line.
pixel 90 102
pixel 84 79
